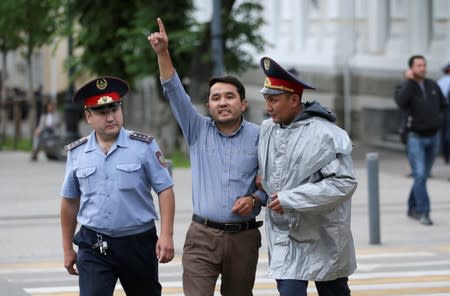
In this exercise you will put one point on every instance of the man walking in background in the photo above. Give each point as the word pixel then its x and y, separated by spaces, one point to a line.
pixel 422 100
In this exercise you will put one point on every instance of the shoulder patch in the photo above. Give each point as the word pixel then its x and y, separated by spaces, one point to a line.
pixel 141 137
pixel 75 144
pixel 160 157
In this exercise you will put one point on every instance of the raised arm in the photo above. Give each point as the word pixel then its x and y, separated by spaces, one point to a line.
pixel 160 44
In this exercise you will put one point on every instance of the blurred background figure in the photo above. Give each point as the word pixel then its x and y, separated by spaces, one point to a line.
pixel 422 99
pixel 49 126
pixel 444 84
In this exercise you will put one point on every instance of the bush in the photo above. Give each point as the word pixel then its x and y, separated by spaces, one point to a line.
pixel 22 144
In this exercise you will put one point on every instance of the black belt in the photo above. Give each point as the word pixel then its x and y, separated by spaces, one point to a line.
pixel 227 227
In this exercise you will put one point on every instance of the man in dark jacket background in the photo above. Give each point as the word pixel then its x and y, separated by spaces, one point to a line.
pixel 422 101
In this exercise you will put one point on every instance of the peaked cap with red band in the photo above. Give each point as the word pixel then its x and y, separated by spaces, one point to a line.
pixel 279 80
pixel 101 92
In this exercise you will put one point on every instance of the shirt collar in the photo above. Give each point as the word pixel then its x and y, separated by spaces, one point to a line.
pixel 243 122
pixel 120 141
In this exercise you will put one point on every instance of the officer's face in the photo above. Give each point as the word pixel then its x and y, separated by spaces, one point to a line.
pixel 225 104
pixel 282 108
pixel 106 123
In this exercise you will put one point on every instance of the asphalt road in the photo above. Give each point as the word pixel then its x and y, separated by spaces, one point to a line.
pixel 411 259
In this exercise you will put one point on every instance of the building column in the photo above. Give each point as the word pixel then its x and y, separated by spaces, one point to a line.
pixel 419 22
pixel 377 13
pixel 346 43
pixel 300 20
pixel 274 14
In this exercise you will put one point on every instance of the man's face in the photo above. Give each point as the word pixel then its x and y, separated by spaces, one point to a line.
pixel 225 104
pixel 282 108
pixel 106 123
pixel 419 68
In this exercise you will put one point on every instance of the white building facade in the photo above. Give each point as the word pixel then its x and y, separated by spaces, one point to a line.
pixel 354 52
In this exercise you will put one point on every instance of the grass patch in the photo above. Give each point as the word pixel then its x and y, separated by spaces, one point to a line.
pixel 22 144
pixel 179 160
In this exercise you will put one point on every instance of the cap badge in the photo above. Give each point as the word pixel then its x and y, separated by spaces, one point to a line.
pixel 101 84
pixel 266 64
pixel 105 100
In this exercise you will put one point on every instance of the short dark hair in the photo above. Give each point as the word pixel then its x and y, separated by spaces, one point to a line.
pixel 412 58
pixel 228 79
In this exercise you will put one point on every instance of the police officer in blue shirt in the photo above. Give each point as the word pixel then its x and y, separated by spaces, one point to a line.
pixel 106 190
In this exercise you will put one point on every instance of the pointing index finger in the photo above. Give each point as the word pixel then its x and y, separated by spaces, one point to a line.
pixel 161 26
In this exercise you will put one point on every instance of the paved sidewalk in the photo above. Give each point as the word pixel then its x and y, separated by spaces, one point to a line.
pixel 30 190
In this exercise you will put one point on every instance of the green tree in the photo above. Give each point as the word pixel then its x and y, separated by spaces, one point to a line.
pixel 9 41
pixel 112 35
pixel 38 27
pixel 240 27
pixel 27 25
pixel 111 38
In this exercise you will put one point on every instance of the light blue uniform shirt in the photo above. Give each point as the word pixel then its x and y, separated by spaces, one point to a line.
pixel 115 188
pixel 224 167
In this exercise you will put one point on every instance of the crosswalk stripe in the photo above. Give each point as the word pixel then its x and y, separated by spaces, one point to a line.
pixel 391 272
pixel 436 282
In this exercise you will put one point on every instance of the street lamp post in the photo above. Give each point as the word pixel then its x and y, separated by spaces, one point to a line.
pixel 216 38
pixel 72 111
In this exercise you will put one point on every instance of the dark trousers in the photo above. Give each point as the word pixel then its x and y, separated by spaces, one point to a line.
pixel 132 259
pixel 338 287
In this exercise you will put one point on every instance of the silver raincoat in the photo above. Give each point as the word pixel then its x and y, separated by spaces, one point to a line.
pixel 308 164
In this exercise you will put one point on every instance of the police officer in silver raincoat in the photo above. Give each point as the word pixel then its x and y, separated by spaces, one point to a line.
pixel 307 171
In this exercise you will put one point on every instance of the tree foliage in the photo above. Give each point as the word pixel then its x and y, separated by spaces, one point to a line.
pixel 38 28
pixel 40 23
pixel 9 29
pixel 240 27
pixel 28 25
pixel 112 35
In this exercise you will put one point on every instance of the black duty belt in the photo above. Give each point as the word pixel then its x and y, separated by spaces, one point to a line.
pixel 227 227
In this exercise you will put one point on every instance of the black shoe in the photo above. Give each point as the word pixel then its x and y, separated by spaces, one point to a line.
pixel 425 220
pixel 413 214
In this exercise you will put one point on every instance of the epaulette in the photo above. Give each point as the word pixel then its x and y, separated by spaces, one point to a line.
pixel 141 137
pixel 75 144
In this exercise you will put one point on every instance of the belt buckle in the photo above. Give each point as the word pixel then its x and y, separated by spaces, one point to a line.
pixel 227 227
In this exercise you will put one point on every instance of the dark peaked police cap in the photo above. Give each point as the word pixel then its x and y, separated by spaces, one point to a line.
pixel 101 93
pixel 279 80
